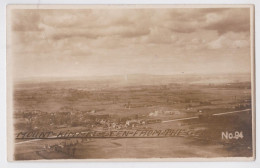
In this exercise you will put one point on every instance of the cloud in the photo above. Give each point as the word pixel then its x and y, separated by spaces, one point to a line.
pixel 127 39
pixel 230 40
pixel 233 20
pixel 152 26
pixel 25 20
pixel 130 23
pixel 159 35
pixel 94 24
pixel 221 20
pixel 188 21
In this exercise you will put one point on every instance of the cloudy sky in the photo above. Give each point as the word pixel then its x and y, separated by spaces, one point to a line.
pixel 91 42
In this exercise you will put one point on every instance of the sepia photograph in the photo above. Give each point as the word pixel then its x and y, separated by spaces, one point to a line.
pixel 130 82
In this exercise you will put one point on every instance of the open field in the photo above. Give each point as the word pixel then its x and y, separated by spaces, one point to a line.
pixel 110 106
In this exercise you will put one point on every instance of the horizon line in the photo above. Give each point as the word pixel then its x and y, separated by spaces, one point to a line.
pixel 93 76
